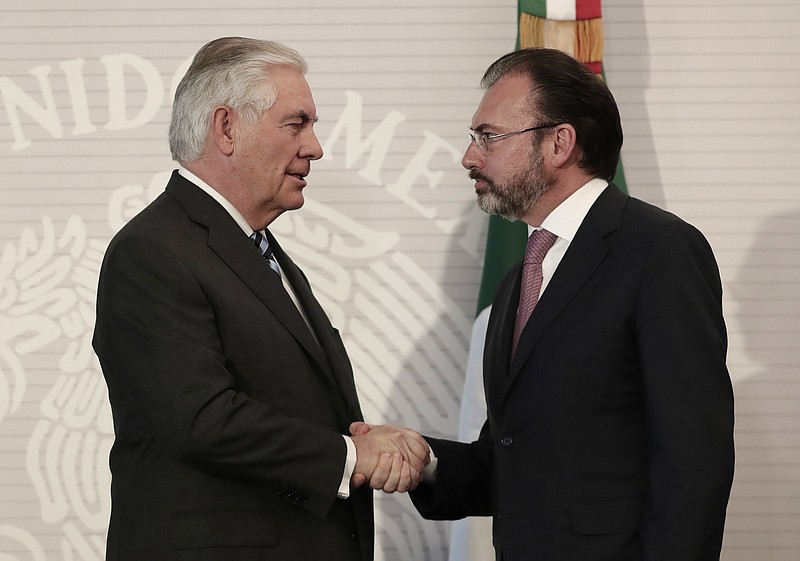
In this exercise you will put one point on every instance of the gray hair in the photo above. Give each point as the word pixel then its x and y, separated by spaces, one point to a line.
pixel 231 71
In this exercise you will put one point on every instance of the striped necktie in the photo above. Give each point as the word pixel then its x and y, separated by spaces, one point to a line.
pixel 261 242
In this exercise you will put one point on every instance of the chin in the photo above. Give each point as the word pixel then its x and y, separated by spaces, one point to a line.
pixel 491 205
pixel 297 202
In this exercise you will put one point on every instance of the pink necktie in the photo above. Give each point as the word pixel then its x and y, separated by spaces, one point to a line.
pixel 539 243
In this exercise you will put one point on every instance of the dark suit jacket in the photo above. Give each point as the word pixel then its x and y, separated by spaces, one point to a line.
pixel 228 415
pixel 609 435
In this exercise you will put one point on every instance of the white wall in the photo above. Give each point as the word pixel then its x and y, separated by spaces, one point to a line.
pixel 390 237
pixel 709 97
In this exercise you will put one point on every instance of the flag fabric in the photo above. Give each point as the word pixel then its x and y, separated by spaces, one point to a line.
pixel 574 26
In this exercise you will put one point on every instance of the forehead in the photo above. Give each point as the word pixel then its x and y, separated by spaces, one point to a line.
pixel 505 103
pixel 293 93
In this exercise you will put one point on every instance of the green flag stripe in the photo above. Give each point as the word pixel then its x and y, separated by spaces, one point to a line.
pixel 505 241
pixel 537 8
pixel 505 244
pixel 619 178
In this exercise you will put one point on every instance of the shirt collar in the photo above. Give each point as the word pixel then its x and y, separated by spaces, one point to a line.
pixel 567 217
pixel 217 196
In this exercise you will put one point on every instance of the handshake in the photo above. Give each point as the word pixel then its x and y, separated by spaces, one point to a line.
pixel 388 457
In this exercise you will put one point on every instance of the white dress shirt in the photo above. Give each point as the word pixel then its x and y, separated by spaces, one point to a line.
pixel 564 222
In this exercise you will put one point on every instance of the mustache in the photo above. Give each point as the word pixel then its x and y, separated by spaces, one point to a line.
pixel 476 174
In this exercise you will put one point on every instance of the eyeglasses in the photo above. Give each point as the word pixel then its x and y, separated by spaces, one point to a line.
pixel 482 139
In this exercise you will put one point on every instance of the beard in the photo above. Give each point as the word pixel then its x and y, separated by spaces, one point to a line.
pixel 512 198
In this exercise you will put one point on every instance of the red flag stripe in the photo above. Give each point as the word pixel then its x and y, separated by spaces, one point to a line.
pixel 587 9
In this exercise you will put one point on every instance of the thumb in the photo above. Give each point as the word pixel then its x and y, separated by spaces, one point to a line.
pixel 358 480
pixel 358 428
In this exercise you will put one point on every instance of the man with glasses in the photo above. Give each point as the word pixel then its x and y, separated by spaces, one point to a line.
pixel 610 408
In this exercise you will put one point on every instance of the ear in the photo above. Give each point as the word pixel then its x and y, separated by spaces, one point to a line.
pixel 564 145
pixel 222 129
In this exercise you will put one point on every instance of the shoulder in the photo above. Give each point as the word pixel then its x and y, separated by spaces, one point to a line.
pixel 159 238
pixel 179 206
pixel 631 231
pixel 644 223
pixel 659 224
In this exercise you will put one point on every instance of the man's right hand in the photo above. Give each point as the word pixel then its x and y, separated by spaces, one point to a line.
pixel 388 457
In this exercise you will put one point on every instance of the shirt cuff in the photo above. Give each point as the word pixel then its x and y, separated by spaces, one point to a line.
pixel 429 473
pixel 349 466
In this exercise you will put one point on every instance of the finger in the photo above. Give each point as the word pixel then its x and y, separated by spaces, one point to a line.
pixel 404 483
pixel 358 428
pixel 416 478
pixel 392 482
pixel 358 480
pixel 417 444
pixel 417 452
pixel 398 438
pixel 382 471
pixel 414 443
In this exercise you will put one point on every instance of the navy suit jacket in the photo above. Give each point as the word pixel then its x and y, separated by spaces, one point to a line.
pixel 610 434
pixel 228 414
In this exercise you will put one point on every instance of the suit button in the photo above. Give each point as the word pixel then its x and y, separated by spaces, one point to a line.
pixel 507 441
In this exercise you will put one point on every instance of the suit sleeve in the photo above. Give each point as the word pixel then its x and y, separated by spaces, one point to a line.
pixel 463 480
pixel 159 348
pixel 688 398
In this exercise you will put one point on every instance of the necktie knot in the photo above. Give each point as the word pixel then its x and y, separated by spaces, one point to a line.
pixel 262 243
pixel 539 243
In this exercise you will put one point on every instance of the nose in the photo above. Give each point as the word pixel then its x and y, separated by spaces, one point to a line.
pixel 311 148
pixel 473 158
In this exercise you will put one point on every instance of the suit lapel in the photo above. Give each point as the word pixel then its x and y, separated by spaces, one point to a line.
pixel 584 255
pixel 337 361
pixel 497 350
pixel 230 244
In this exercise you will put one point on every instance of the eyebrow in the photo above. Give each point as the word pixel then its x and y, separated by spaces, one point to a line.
pixel 304 116
pixel 482 127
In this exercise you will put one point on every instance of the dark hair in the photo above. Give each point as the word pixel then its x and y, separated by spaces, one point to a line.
pixel 563 90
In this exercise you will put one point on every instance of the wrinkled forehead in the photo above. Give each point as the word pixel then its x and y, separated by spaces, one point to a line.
pixel 293 94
